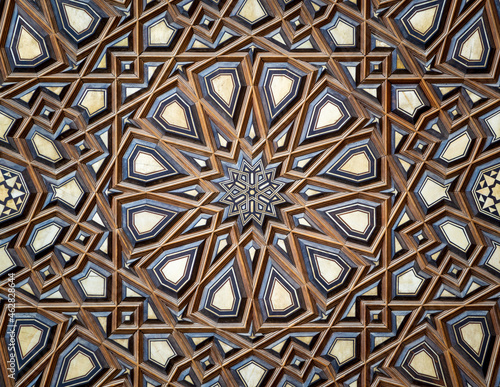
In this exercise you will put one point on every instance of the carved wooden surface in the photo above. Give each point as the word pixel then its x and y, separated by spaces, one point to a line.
pixel 250 192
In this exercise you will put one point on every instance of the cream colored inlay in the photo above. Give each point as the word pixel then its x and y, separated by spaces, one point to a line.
pixel 175 115
pixel 45 237
pixel 146 164
pixel 223 142
pixel 328 269
pixel 281 298
pixel 200 162
pixel 380 339
pixel 473 48
pixel 329 114
pixel 456 235
pixel 55 89
pixel 380 43
pixel 281 243
pixel 432 191
pixel 160 351
pixel 408 101
pixel 281 87
pixel 122 43
pixel 175 269
pixel 342 350
pixel 199 44
pixel 5 124
pixel 252 251
pixel 251 374
pixel 69 192
pixel 6 261
pixel 145 221
pixel 79 366
pixel 494 260
pixel 226 348
pixel 131 293
pixel 357 164
pixel 251 133
pixel 279 38
pixel 356 220
pixel 405 164
pixel 343 33
pixel 224 87
pixel 222 245
pixel 93 101
pixel 252 11
pixel 312 192
pixel 473 335
pixel 352 72
pixel 46 148
pixel 404 219
pixel 102 64
pixel 27 97
pixel 160 33
pixel 473 96
pixel 423 364
pixel 28 338
pixel 409 282
pixel 78 19
pixel 27 288
pixel 423 20
pixel 446 89
pixel 55 296
pixel 304 222
pixel 492 121
pixel 305 45
pixel 201 222
pixel 278 347
pixel 131 90
pixel 93 284
pixel 305 339
pixel 28 47
pixel 457 147
pixel 223 298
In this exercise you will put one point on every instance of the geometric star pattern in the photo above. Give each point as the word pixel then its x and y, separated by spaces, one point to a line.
pixel 14 191
pixel 250 193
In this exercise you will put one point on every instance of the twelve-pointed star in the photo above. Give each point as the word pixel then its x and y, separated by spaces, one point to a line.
pixel 252 191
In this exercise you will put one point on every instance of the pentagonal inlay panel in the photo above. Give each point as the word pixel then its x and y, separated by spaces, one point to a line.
pixel 146 163
pixel 147 219
pixel 421 20
pixel 27 45
pixel 471 48
pixel 280 86
pixel 222 84
pixel 173 270
pixel 356 164
pixel 79 20
pixel 328 114
pixel 175 114
pixel 224 297
pixel 329 269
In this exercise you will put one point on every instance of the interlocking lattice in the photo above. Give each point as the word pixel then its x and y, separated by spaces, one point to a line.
pixel 250 193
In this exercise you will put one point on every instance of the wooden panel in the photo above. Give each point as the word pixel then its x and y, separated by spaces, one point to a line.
pixel 250 193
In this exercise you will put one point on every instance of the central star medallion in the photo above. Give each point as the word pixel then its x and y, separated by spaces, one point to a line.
pixel 251 191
